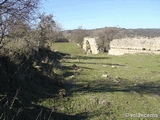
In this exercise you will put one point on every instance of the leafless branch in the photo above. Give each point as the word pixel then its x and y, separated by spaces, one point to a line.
pixel 14 98
pixel 13 10
pixel 40 113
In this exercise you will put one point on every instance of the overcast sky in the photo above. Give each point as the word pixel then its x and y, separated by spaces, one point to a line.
pixel 92 14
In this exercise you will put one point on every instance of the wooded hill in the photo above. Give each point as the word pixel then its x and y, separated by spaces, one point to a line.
pixel 120 32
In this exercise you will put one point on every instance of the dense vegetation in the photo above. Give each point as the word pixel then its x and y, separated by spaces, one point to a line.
pixel 29 70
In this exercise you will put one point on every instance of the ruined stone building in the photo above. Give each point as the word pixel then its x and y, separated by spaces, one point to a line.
pixel 90 46
pixel 124 45
pixel 135 45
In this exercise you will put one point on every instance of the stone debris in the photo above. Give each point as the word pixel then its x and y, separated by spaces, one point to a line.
pixel 105 75
pixel 74 66
pixel 104 65
pixel 113 66
pixel 70 77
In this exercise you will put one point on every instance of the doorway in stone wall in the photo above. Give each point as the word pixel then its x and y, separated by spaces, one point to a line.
pixel 88 48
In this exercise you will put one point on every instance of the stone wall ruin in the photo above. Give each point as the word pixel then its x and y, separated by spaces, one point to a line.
pixel 135 45
pixel 90 46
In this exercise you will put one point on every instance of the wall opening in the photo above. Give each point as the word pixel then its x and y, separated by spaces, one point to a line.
pixel 88 48
pixel 90 45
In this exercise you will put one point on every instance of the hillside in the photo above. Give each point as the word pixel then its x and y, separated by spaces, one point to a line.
pixel 122 31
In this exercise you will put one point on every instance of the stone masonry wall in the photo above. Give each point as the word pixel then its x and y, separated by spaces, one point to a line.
pixel 92 43
pixel 135 45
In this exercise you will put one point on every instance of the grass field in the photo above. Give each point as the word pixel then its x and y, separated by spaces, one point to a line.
pixel 105 87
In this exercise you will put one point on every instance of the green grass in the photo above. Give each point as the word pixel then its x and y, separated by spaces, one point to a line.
pixel 67 47
pixel 132 85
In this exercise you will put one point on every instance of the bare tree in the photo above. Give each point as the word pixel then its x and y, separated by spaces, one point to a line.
pixel 19 30
pixel 13 10
pixel 78 35
pixel 50 30
pixel 105 36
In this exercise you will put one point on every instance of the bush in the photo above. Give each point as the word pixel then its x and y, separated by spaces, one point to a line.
pixel 105 36
pixel 78 35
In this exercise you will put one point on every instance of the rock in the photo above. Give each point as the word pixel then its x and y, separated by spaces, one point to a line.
pixel 39 68
pixel 105 75
pixel 72 76
pixel 113 66
pixel 77 60
pixel 86 86
pixel 57 71
pixel 79 45
pixel 56 108
pixel 62 93
pixel 74 66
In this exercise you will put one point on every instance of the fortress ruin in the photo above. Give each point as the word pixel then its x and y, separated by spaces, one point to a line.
pixel 90 46
pixel 124 45
pixel 135 45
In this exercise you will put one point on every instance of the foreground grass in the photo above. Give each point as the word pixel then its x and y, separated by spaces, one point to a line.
pixel 131 85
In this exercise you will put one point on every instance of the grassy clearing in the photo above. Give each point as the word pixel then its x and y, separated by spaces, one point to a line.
pixel 67 47
pixel 132 85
